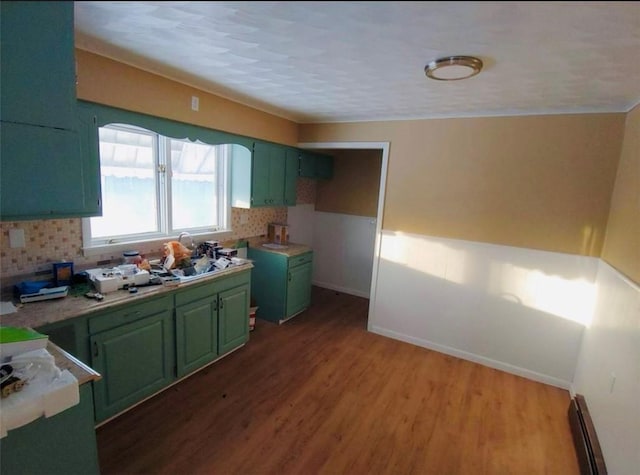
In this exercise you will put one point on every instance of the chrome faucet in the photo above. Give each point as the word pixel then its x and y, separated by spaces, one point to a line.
pixel 186 234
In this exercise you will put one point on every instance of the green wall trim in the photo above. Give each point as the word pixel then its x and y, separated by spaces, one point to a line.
pixel 169 128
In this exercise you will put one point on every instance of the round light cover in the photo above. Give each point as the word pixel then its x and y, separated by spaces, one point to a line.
pixel 453 68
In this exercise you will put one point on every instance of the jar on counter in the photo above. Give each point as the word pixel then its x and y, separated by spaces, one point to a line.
pixel 131 257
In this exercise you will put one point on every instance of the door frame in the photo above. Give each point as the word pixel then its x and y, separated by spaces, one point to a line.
pixel 384 147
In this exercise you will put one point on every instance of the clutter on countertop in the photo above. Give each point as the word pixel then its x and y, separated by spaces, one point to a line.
pixel 119 277
pixel 32 387
pixel 176 256
pixel 278 233
pixel 62 273
pixel 78 303
pixel 16 340
pixel 7 308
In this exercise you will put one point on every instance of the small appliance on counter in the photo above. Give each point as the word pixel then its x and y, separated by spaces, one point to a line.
pixel 35 291
pixel 115 278
pixel 278 233
pixel 227 252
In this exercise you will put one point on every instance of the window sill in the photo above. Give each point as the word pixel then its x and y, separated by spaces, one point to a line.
pixel 151 243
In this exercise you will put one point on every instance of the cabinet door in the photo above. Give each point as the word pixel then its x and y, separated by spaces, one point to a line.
pixel 41 174
pixel 307 165
pixel 196 335
pixel 268 175
pixel 233 318
pixel 324 167
pixel 135 361
pixel 269 283
pixel 38 64
pixel 90 161
pixel 277 168
pixel 314 165
pixel 260 174
pixel 299 289
pixel 291 177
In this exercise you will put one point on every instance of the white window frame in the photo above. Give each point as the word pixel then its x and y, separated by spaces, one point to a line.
pixel 162 154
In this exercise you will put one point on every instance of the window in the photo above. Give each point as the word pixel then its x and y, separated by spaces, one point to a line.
pixel 155 187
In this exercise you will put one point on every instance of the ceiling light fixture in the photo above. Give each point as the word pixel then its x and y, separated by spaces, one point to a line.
pixel 453 68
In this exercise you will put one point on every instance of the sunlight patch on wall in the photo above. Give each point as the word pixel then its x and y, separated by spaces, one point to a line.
pixel 535 279
pixel 573 299
pixel 428 257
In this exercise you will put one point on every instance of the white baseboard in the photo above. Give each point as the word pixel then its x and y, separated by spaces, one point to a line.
pixel 344 290
pixel 525 373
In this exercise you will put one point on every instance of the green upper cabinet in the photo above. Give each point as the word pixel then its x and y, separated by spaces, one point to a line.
pixel 48 146
pixel 264 176
pixel 315 165
pixel 38 64
pixel 324 167
pixel 291 176
pixel 307 164
pixel 268 167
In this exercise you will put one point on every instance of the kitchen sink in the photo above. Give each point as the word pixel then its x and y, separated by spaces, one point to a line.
pixel 201 267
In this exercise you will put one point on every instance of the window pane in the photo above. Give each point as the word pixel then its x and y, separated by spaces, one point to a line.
pixel 127 168
pixel 194 181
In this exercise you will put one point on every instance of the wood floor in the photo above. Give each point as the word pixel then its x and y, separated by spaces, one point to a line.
pixel 321 395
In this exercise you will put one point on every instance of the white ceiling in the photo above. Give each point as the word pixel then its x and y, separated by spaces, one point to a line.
pixel 353 61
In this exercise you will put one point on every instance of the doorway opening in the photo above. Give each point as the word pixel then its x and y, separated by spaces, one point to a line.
pixel 351 259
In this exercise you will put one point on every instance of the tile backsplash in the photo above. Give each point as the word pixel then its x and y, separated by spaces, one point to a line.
pixel 57 240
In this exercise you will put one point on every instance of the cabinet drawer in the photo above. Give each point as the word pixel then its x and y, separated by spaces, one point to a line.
pixel 129 313
pixel 196 292
pixel 301 259
pixel 204 290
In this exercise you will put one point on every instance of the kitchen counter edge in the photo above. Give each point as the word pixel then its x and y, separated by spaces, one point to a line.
pixel 47 312
pixel 77 368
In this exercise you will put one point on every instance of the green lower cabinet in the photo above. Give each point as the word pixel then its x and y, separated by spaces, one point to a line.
pixel 299 288
pixel 211 320
pixel 196 334
pixel 280 285
pixel 62 444
pixel 233 318
pixel 135 361
pixel 141 347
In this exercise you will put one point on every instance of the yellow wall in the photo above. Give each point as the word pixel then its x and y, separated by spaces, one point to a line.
pixel 622 243
pixel 541 182
pixel 109 82
pixel 355 184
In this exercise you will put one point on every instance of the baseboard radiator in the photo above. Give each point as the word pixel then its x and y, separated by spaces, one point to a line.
pixel 585 439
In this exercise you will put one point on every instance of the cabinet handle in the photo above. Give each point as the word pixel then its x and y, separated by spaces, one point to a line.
pixel 221 304
pixel 137 312
pixel 289 276
pixel 95 348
